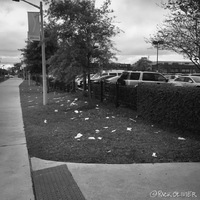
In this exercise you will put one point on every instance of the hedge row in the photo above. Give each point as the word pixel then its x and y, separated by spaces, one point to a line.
pixel 176 106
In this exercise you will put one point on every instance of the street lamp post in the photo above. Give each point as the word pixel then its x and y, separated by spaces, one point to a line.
pixel 157 43
pixel 44 78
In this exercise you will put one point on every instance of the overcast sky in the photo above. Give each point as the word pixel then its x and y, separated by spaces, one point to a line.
pixel 137 18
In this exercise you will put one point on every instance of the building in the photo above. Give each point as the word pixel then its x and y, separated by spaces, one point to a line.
pixel 173 67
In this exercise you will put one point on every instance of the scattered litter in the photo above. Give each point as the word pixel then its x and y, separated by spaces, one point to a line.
pixel 91 138
pixel 75 99
pixel 107 117
pixel 79 135
pixel 73 118
pixel 86 102
pixel 56 110
pixel 76 111
pixel 45 121
pixel 31 106
pixel 181 138
pixel 73 104
pixel 129 129
pixel 132 120
pixel 99 138
pixel 154 155
pixel 97 108
pixel 152 125
pixel 62 105
pixel 87 118
pixel 106 127
pixel 113 116
pixel 68 101
pixel 157 132
pixel 30 101
pixel 97 131
pixel 108 151
pixel 113 131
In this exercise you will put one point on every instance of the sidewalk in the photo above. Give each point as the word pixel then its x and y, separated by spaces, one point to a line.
pixel 96 181
pixel 15 177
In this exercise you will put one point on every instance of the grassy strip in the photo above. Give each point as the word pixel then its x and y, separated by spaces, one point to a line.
pixel 109 135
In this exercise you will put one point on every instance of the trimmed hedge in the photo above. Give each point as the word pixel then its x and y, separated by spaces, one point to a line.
pixel 176 106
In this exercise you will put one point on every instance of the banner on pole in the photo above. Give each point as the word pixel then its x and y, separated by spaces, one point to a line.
pixel 33 26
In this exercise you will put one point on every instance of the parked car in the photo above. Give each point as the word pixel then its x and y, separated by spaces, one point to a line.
pixel 102 78
pixel 171 77
pixel 186 81
pixel 132 78
pixel 112 79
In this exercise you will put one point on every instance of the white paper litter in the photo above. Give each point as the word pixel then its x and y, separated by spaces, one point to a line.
pixel 132 120
pixel 56 110
pixel 181 138
pixel 113 131
pixel 79 135
pixel 99 138
pixel 87 118
pixel 129 129
pixel 113 116
pixel 45 121
pixel 106 127
pixel 73 118
pixel 76 111
pixel 107 117
pixel 91 138
pixel 62 105
pixel 154 155
pixel 97 131
pixel 73 104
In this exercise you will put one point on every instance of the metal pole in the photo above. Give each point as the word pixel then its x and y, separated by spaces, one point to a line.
pixel 44 78
pixel 157 56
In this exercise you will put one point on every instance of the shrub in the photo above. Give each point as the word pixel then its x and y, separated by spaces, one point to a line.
pixel 177 106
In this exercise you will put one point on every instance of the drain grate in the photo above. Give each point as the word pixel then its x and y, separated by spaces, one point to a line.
pixel 56 183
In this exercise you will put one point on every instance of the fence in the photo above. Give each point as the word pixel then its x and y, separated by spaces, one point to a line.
pixel 115 93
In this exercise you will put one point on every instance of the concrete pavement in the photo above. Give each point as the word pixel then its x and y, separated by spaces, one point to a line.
pixel 15 177
pixel 133 181
pixel 97 181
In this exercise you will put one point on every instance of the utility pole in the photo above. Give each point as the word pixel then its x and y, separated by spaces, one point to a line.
pixel 44 77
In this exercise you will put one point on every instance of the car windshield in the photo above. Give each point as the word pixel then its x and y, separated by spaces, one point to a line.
pixel 196 79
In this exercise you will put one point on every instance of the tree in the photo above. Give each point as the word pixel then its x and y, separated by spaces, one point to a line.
pixel 143 65
pixel 84 36
pixel 180 31
pixel 32 51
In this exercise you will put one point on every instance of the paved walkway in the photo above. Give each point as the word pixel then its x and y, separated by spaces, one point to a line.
pixel 96 181
pixel 15 178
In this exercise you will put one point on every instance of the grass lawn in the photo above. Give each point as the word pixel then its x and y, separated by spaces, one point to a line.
pixel 72 130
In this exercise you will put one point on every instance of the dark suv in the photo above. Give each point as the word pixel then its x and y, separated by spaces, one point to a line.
pixel 132 78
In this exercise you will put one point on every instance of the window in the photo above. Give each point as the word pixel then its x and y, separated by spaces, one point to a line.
pixel 180 79
pixel 148 77
pixel 135 76
pixel 159 77
pixel 124 75
pixel 113 74
pixel 187 79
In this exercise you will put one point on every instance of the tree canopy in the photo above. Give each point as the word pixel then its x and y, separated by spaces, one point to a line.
pixel 84 36
pixel 180 31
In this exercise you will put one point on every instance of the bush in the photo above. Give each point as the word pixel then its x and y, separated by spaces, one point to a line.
pixel 176 106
